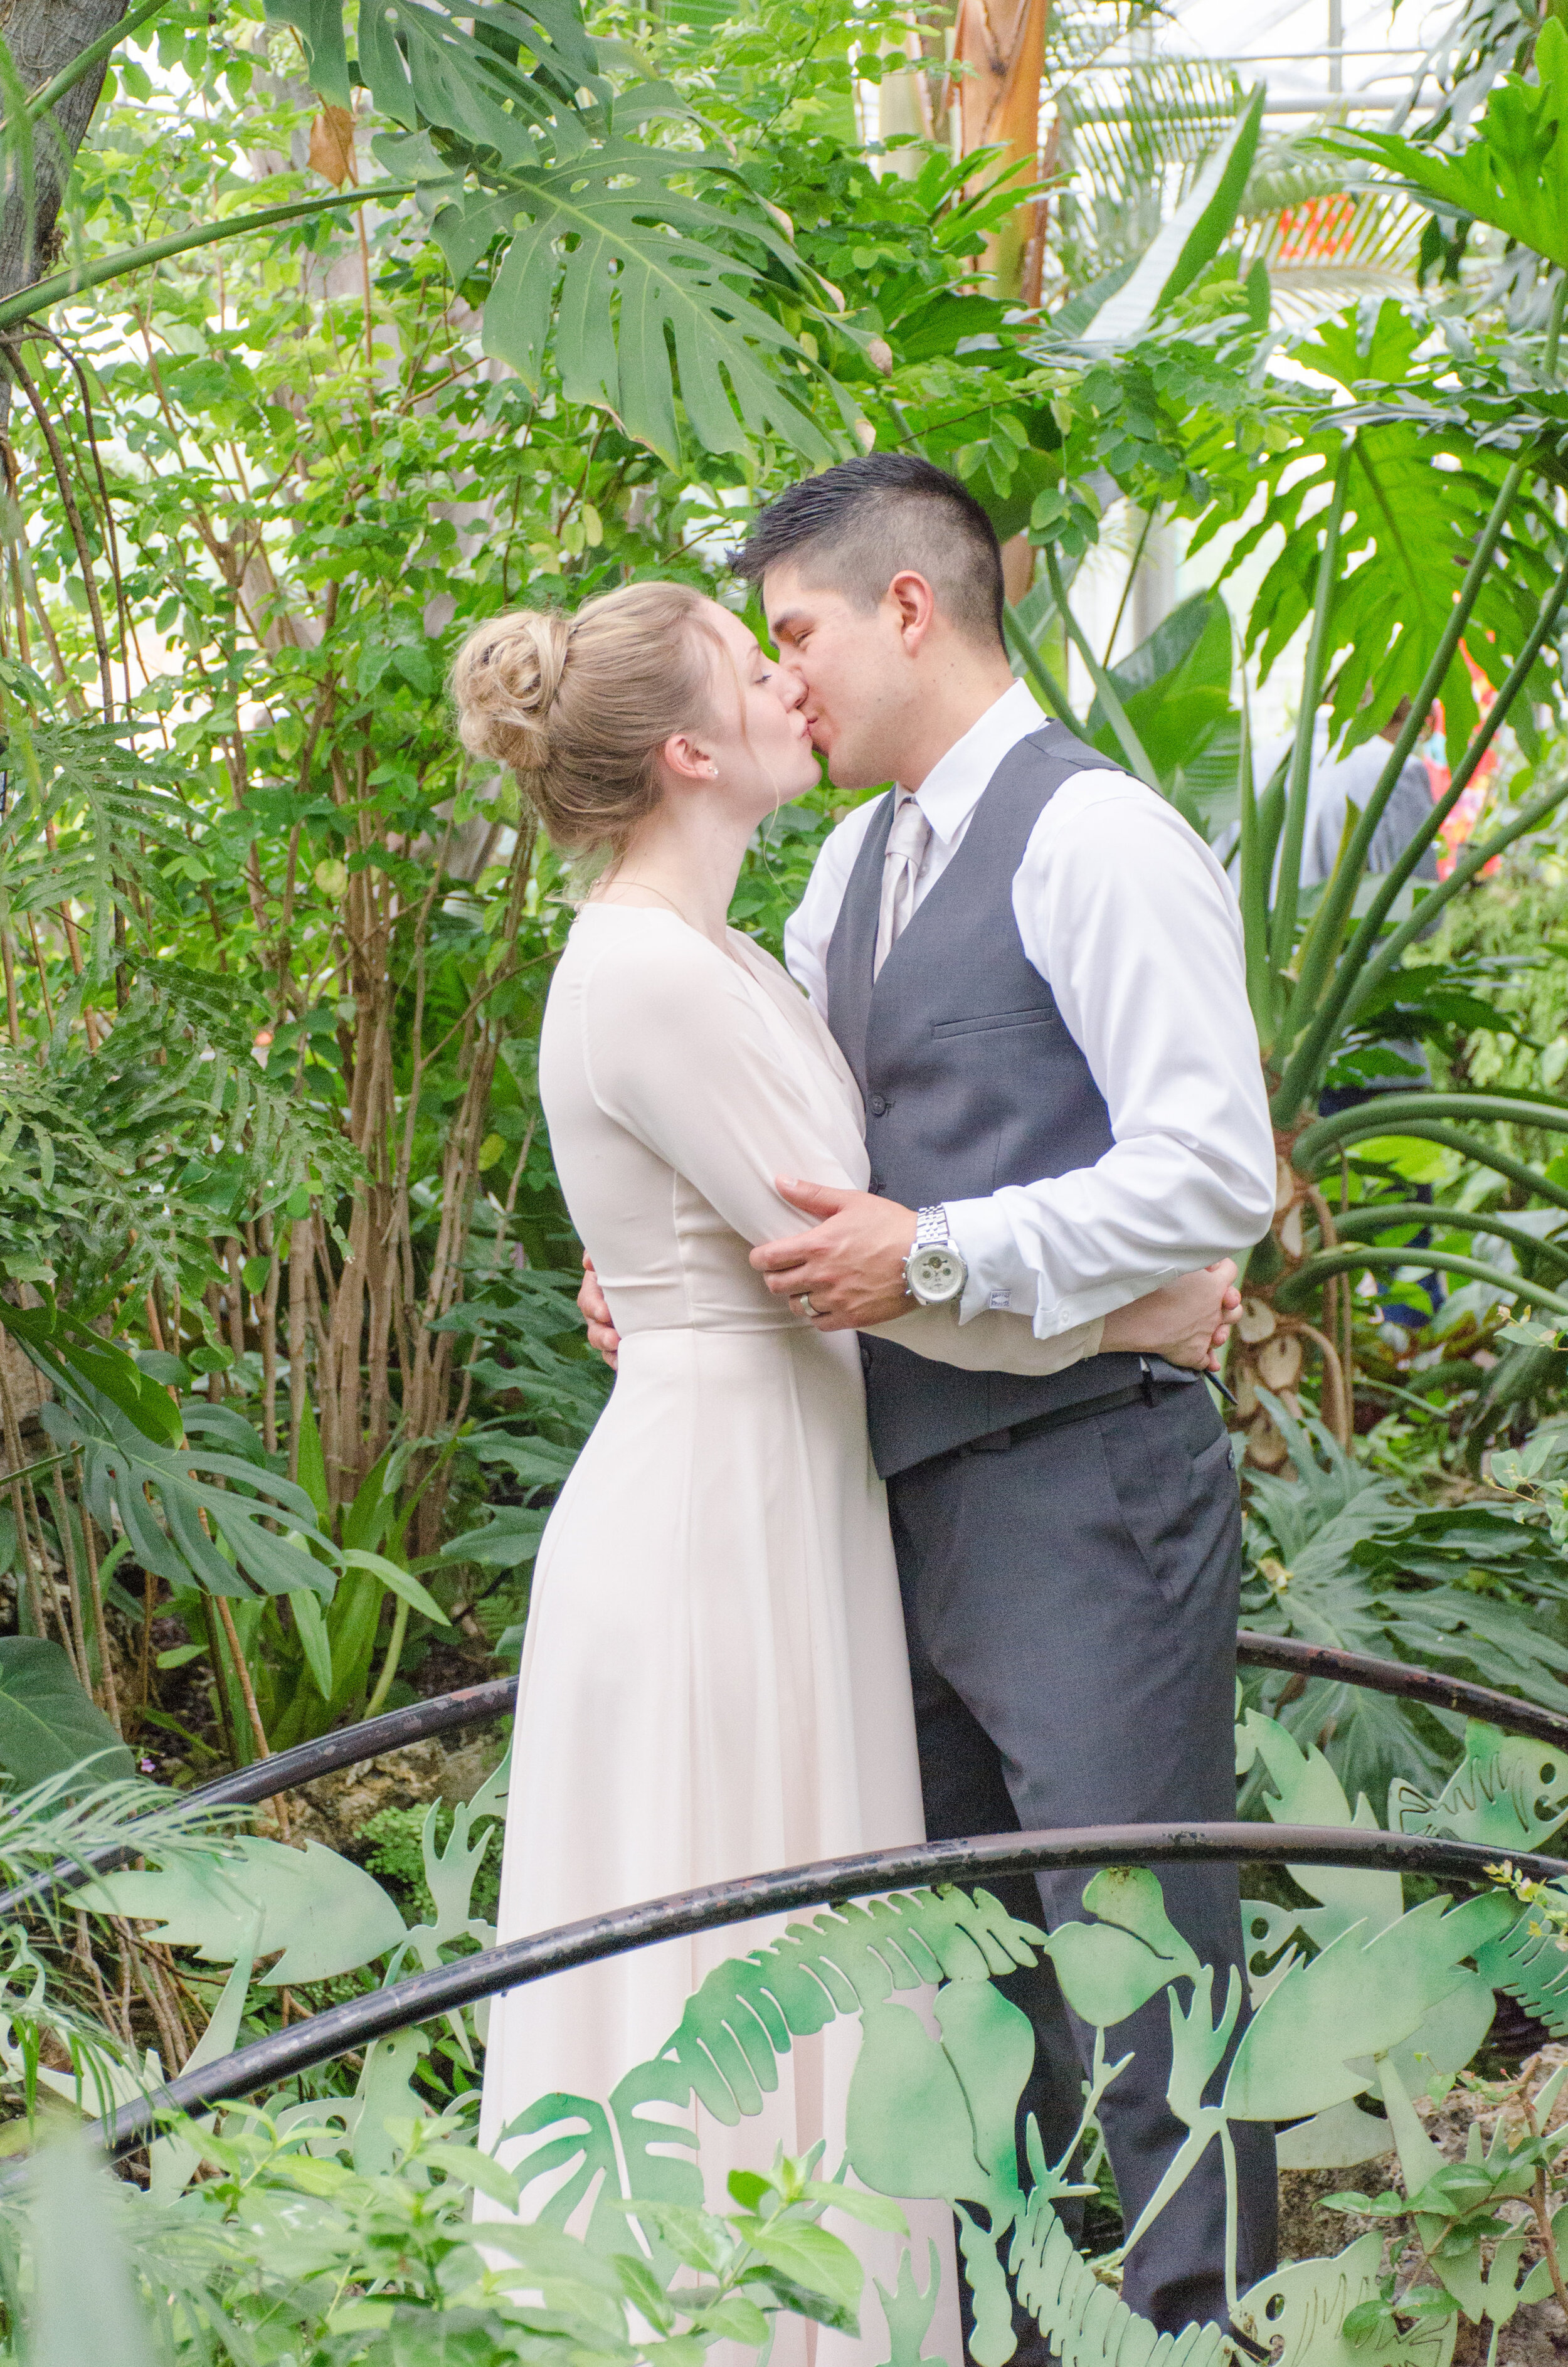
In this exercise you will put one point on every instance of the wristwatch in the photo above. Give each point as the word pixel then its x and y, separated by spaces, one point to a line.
pixel 934 1270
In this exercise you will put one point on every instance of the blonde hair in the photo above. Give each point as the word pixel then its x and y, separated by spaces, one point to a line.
pixel 579 706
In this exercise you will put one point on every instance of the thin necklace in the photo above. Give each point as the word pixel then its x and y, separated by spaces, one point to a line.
pixel 648 888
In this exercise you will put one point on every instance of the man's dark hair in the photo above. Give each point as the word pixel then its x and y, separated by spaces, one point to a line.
pixel 856 527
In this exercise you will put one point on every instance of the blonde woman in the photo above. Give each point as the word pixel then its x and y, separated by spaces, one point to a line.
pixel 715 1680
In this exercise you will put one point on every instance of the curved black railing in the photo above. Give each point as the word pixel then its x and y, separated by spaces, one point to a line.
pixel 832 1881
pixel 478 1705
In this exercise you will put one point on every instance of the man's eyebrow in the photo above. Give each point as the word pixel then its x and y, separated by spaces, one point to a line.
pixel 784 623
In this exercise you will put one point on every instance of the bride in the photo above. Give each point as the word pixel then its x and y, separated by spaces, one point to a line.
pixel 714 1682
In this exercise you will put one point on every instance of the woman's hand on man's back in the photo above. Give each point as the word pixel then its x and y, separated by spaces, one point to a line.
pixel 594 1307
pixel 1187 1321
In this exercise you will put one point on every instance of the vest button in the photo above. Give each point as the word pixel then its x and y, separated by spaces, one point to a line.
pixel 865 1360
pixel 875 1184
pixel 879 1106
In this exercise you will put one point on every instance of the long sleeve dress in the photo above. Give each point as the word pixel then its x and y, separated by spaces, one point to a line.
pixel 714 1682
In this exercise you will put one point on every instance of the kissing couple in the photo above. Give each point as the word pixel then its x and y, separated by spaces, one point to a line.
pixel 910 1515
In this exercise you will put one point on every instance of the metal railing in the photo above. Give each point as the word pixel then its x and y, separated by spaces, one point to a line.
pixel 829 1883
pixel 833 1880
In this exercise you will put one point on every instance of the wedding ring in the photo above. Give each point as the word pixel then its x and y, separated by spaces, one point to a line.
pixel 804 1303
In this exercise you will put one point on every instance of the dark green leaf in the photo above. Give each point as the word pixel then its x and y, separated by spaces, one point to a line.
pixel 48 1724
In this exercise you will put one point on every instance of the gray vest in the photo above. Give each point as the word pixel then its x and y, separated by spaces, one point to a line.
pixel 970 1081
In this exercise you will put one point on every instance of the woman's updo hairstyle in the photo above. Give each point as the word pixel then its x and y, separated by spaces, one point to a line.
pixel 579 706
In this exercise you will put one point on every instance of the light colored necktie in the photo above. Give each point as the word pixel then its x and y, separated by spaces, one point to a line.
pixel 907 842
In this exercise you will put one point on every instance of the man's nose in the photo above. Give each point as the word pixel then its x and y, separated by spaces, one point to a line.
pixel 791 683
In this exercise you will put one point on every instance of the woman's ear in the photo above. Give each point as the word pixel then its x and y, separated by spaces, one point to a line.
pixel 685 758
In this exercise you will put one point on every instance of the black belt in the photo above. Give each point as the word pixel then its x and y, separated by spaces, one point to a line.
pixel 996 1442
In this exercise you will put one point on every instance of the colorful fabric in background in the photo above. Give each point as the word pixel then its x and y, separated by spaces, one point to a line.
pixel 1460 824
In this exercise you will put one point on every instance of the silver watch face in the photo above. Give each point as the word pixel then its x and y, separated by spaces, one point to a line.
pixel 936 1274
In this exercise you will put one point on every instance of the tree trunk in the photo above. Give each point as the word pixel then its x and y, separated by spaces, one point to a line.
pixel 1003 43
pixel 43 36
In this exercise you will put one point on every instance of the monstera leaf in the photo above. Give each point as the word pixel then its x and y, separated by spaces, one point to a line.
pixel 725 2051
pixel 74 1356
pixel 637 264
pixel 652 299
pixel 124 1469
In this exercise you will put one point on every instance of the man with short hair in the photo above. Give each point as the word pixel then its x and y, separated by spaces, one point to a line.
pixel 1033 966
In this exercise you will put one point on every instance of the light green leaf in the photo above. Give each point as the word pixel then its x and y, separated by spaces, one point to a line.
pixel 396 1581
pixel 85 2303
pixel 871 2210
pixel 327 1913
pixel 1359 1997
pixel 122 1468
pixel 310 1622
pixel 644 266
pixel 807 2256
pixel 1191 238
pixel 908 2122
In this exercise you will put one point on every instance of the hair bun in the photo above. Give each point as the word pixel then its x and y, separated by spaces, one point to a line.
pixel 504 684
pixel 584 738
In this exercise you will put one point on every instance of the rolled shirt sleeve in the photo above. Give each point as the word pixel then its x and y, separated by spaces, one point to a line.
pixel 1129 919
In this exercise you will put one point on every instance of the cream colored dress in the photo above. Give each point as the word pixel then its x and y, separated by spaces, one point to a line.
pixel 714 1682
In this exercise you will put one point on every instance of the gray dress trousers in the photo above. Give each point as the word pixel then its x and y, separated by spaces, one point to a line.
pixel 1070 1594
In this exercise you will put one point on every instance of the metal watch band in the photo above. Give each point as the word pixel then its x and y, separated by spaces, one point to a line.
pixel 931 1230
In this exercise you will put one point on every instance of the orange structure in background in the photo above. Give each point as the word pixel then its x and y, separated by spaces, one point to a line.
pixel 1460 824
pixel 1319 230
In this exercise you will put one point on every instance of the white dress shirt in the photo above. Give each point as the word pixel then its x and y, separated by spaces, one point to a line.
pixel 1132 924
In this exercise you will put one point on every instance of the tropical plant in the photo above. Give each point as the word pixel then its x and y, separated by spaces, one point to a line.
pixel 282 2244
pixel 1338 1555
pixel 1155 385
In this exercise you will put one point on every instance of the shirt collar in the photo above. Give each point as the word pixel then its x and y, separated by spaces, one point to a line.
pixel 953 789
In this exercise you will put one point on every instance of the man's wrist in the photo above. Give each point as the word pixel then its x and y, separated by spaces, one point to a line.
pixel 934 1271
pixel 996 1281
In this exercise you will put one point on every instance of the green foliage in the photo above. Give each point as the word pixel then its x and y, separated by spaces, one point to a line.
pixel 1513 173
pixel 284 2246
pixel 1184 245
pixel 1338 1555
pixel 48 1725
pixel 395 1855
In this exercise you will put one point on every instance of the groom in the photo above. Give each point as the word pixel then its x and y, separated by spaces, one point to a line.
pixel 1033 966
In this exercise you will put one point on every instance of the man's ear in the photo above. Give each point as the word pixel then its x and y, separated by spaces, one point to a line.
pixel 914 607
pixel 685 758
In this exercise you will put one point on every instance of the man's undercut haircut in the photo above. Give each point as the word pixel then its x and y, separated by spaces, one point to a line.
pixel 854 527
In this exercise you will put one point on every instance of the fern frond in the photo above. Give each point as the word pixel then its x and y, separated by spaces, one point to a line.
pixel 1529 1963
pixel 1087 2323
pixel 748 2009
